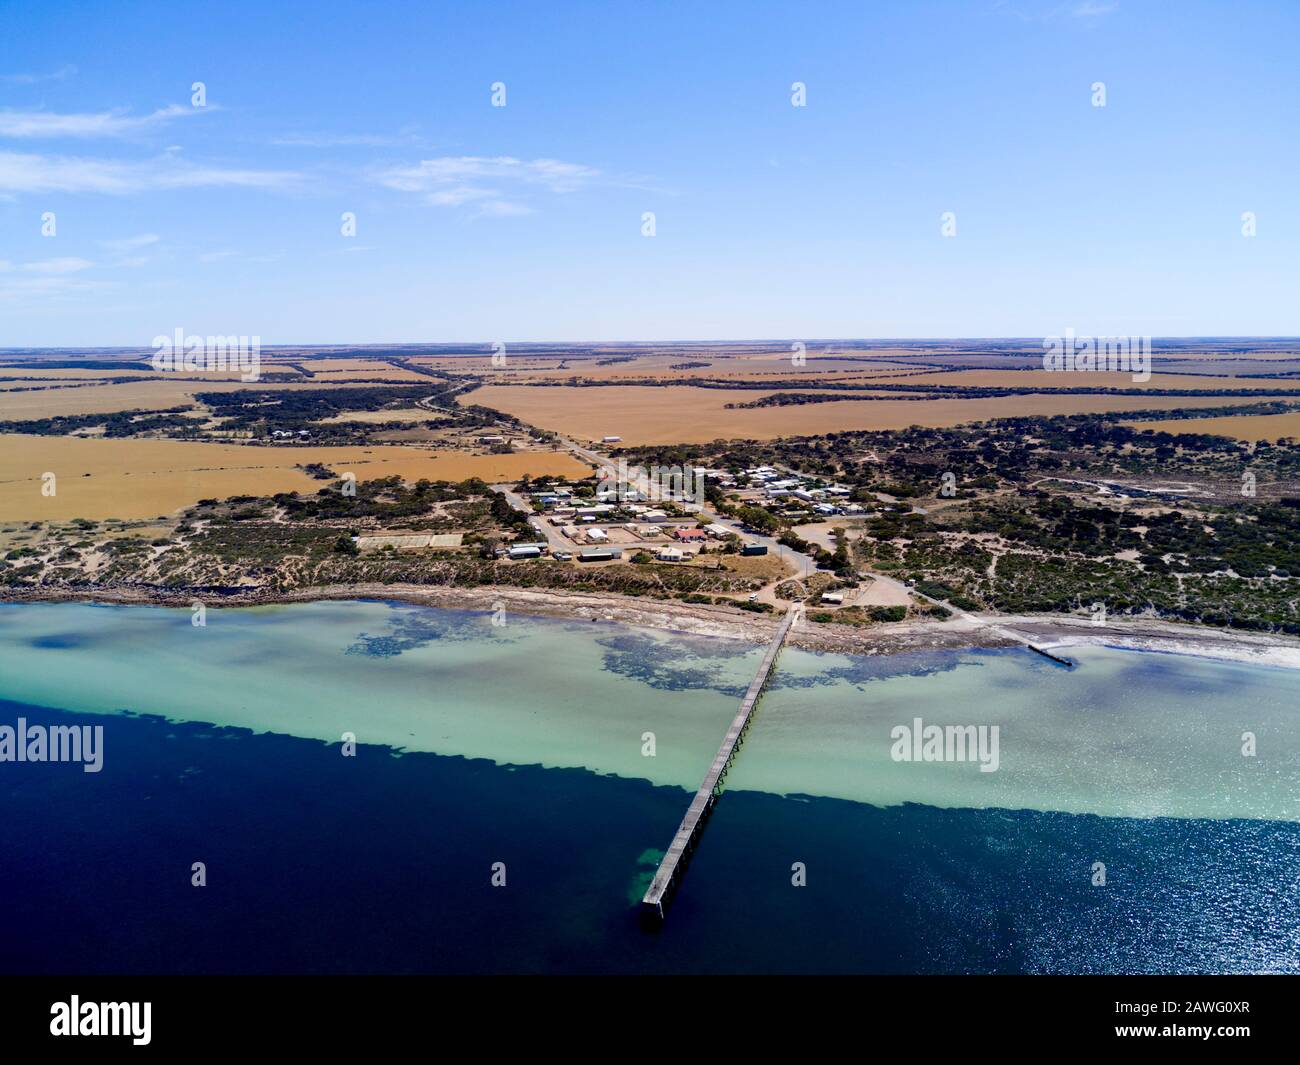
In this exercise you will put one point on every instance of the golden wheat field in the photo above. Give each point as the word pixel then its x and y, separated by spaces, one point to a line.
pixel 681 414
pixel 11 377
pixel 377 372
pixel 380 417
pixel 1253 427
pixel 23 404
pixel 132 479
pixel 679 368
pixel 1047 381
pixel 341 365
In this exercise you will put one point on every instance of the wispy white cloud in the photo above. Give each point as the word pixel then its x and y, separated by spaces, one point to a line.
pixel 503 209
pixel 29 173
pixel 452 170
pixel 490 184
pixel 35 79
pixel 1094 8
pixel 49 124
pixel 456 195
pixel 231 253
pixel 124 244
pixel 39 290
pixel 66 265
pixel 69 264
pixel 345 140
pixel 41 280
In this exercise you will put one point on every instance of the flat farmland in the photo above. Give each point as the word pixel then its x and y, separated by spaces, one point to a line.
pixel 18 403
pixel 681 414
pixel 1270 427
pixel 662 369
pixel 381 417
pixel 380 373
pixel 133 479
pixel 1040 378
pixel 357 370
pixel 341 365
pixel 673 366
pixel 8 373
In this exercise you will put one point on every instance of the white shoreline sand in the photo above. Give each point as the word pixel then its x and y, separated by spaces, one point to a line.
pixel 1048 631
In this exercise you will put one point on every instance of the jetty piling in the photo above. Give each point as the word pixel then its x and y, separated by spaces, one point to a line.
pixel 655 903
pixel 1060 661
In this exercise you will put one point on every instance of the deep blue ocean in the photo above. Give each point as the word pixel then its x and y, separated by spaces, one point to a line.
pixel 382 863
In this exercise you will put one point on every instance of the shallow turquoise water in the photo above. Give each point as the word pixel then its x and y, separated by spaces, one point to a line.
pixel 524 744
pixel 1125 734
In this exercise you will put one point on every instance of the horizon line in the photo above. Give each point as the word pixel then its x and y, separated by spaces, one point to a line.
pixel 1035 338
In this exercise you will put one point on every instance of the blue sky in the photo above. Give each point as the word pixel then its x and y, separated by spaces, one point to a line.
pixel 477 223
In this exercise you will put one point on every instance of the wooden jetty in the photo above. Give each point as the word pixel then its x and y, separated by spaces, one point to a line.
pixel 655 903
pixel 1048 654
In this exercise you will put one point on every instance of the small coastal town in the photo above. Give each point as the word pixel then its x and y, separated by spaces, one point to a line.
pixel 254 493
